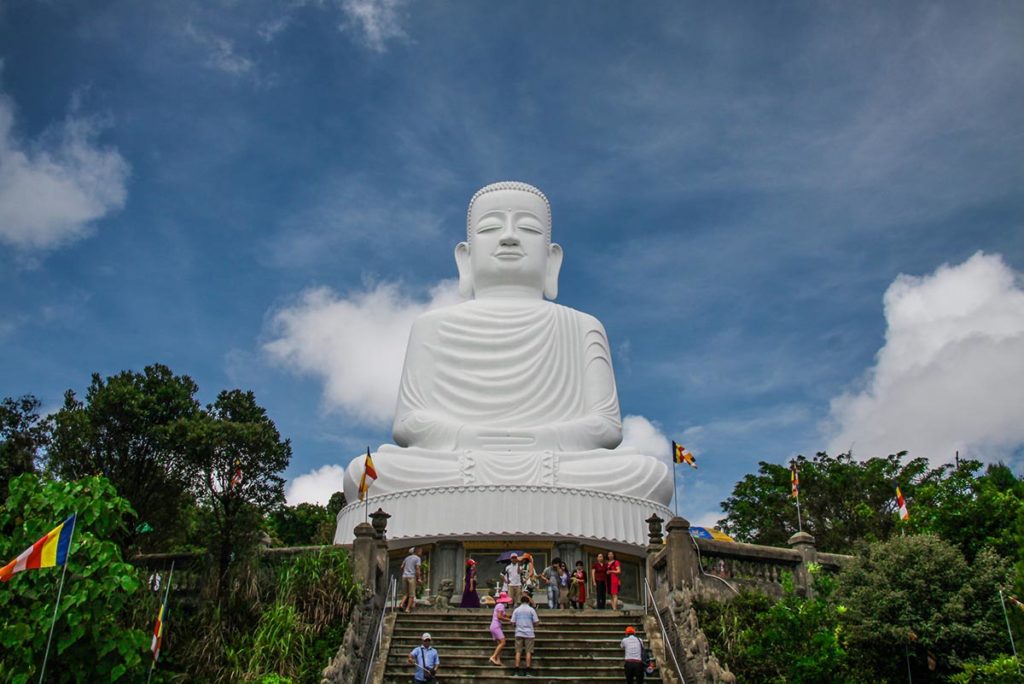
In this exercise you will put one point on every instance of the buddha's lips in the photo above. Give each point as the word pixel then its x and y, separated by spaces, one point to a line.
pixel 509 254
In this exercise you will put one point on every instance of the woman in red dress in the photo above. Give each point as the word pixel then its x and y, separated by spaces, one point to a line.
pixel 614 572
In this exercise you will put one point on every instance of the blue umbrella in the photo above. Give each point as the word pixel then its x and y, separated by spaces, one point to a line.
pixel 507 556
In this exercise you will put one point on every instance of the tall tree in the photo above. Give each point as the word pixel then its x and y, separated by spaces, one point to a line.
pixel 843 501
pixel 24 435
pixel 915 595
pixel 236 456
pixel 126 429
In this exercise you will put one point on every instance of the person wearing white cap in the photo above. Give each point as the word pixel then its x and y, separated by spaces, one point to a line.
pixel 514 578
pixel 426 660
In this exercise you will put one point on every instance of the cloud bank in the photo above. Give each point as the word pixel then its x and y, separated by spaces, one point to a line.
pixel 354 345
pixel 951 373
pixel 315 487
pixel 644 436
pixel 52 190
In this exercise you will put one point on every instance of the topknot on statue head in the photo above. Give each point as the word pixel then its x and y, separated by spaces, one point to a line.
pixel 505 185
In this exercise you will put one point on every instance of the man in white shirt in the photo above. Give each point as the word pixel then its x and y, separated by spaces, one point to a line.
pixel 633 649
pixel 410 578
pixel 524 618
pixel 514 579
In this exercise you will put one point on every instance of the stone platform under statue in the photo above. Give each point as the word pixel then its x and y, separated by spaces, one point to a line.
pixel 508 423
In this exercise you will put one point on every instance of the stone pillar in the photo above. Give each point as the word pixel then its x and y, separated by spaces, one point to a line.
pixel 443 565
pixel 804 543
pixel 364 565
pixel 682 556
pixel 655 543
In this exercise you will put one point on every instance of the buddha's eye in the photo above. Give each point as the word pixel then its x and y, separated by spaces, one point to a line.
pixel 531 228
pixel 488 227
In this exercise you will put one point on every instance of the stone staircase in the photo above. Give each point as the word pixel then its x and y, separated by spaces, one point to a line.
pixel 570 647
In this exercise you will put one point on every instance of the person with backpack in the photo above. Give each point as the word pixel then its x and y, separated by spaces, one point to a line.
pixel 633 650
pixel 426 660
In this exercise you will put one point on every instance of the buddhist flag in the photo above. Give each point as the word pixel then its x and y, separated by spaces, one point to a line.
pixel 369 473
pixel 904 513
pixel 50 551
pixel 681 454
pixel 236 478
pixel 1015 601
pixel 794 480
pixel 158 629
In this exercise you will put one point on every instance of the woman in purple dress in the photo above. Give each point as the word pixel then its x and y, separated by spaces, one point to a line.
pixel 470 599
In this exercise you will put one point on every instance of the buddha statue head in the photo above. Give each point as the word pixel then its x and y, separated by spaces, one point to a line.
pixel 508 250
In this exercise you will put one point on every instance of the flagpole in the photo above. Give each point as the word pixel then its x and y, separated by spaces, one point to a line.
pixel 675 490
pixel 1008 630
pixel 799 518
pixel 167 593
pixel 56 606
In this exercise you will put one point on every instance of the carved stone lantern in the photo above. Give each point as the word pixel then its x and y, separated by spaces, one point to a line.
pixel 654 529
pixel 380 523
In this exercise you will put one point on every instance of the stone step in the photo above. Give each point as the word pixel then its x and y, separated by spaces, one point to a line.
pixel 478 658
pixel 567 614
pixel 584 673
pixel 542 630
pixel 506 676
pixel 554 645
pixel 571 646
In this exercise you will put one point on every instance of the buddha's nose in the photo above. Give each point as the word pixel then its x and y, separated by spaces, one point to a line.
pixel 508 237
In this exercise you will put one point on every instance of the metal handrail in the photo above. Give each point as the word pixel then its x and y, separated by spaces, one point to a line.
pixel 700 567
pixel 379 636
pixel 664 632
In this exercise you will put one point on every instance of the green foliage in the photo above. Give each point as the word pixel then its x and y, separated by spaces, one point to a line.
pixel 23 437
pixel 843 501
pixel 1003 669
pixel 302 525
pixel 235 457
pixel 126 429
pixel 919 594
pixel 300 606
pixel 795 639
pixel 91 640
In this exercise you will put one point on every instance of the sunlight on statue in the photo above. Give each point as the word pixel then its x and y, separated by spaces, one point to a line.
pixel 508 388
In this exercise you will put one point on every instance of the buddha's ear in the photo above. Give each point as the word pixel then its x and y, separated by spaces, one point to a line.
pixel 465 271
pixel 554 267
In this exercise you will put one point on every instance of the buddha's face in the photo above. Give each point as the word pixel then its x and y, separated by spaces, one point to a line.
pixel 509 242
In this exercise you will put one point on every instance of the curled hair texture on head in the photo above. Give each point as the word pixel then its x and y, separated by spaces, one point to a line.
pixel 506 185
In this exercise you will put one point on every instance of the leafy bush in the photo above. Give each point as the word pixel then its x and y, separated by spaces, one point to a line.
pixel 794 639
pixel 91 640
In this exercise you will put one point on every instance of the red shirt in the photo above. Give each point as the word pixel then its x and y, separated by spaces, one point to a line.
pixel 600 572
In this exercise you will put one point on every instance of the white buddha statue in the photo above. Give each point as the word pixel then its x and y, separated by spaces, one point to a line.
pixel 508 388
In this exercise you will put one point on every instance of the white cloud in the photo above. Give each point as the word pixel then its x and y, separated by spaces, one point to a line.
pixel 220 52
pixel 53 189
pixel 355 345
pixel 951 373
pixel 374 21
pixel 316 486
pixel 644 436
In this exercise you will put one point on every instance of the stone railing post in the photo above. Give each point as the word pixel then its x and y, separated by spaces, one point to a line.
pixel 804 543
pixel 364 565
pixel 655 543
pixel 682 556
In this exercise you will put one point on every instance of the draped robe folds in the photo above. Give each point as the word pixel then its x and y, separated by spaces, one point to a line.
pixel 536 373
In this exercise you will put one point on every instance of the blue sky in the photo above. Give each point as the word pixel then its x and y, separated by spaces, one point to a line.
pixel 801 224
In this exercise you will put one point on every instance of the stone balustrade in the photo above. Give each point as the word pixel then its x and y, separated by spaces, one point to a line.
pixel 721 569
